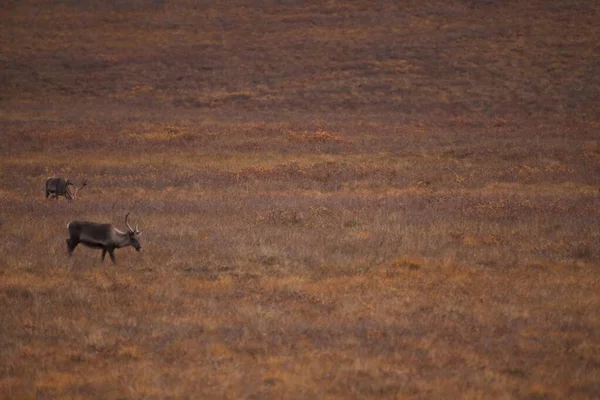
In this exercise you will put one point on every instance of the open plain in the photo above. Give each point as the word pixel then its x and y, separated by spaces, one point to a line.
pixel 339 199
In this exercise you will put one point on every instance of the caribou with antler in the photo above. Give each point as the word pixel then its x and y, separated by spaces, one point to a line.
pixel 103 236
pixel 61 187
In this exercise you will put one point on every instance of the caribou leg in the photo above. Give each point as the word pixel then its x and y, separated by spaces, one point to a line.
pixel 111 253
pixel 71 244
pixel 103 254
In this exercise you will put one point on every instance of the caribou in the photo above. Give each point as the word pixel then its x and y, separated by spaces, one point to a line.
pixel 60 187
pixel 103 236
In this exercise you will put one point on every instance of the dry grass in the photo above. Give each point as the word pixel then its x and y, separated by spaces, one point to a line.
pixel 339 200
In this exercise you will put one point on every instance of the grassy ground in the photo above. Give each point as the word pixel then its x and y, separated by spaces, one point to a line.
pixel 338 200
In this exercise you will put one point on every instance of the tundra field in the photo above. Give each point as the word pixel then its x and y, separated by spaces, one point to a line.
pixel 338 199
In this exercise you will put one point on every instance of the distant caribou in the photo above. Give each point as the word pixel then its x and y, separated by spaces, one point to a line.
pixel 60 187
pixel 103 236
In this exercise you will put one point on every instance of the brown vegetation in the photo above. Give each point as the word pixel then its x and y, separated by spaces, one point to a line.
pixel 340 199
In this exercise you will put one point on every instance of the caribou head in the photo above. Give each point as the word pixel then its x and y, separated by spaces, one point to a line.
pixel 134 233
pixel 74 194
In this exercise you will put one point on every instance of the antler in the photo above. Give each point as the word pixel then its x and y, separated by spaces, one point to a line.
pixel 83 184
pixel 136 225
pixel 127 223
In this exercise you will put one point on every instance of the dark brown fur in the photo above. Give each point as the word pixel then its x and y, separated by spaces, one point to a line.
pixel 56 187
pixel 102 236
